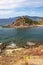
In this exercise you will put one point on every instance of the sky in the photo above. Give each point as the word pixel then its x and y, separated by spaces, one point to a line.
pixel 14 8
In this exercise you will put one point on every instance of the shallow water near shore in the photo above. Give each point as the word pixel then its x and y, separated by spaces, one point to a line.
pixel 21 35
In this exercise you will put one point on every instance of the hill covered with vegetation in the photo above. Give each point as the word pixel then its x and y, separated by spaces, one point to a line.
pixel 23 22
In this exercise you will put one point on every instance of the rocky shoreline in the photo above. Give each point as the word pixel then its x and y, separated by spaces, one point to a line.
pixel 12 55
pixel 22 26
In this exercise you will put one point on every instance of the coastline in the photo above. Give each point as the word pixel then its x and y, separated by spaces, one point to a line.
pixel 40 25
pixel 22 56
pixel 22 26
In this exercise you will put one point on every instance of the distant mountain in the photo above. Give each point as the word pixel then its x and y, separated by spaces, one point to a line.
pixel 35 18
pixel 7 21
pixel 10 20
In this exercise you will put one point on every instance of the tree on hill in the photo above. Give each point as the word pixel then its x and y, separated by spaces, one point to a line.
pixel 29 21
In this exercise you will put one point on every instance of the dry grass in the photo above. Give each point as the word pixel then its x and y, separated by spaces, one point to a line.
pixel 23 56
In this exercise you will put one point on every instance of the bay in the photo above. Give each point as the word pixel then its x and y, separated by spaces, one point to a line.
pixel 21 35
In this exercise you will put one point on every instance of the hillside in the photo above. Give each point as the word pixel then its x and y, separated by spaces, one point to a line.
pixel 23 22
pixel 10 20
pixel 41 22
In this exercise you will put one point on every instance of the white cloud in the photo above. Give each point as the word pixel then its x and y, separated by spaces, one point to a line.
pixel 5 12
pixel 6 4
pixel 34 3
pixel 8 7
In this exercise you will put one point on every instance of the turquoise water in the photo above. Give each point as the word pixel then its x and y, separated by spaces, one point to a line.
pixel 21 36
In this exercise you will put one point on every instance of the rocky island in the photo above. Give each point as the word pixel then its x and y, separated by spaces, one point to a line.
pixel 22 22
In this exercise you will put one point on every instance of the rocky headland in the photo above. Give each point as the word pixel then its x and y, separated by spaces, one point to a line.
pixel 22 22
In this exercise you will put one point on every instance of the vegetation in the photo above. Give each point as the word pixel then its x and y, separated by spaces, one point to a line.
pixel 22 22
pixel 30 22
pixel 22 56
pixel 27 20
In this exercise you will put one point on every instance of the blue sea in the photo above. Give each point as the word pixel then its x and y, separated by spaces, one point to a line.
pixel 21 35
